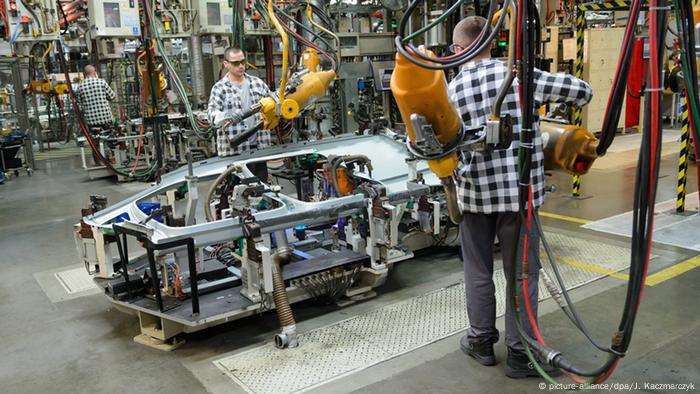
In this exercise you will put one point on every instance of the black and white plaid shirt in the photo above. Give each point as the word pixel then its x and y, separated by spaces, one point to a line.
pixel 94 95
pixel 488 183
pixel 225 100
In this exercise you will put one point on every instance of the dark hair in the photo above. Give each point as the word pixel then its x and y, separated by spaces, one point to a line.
pixel 232 51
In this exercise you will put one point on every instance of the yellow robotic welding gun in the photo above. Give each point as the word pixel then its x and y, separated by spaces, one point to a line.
pixel 435 131
pixel 421 95
pixel 302 90
pixel 436 134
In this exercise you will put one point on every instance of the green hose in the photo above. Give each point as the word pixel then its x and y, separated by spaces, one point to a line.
pixel 177 83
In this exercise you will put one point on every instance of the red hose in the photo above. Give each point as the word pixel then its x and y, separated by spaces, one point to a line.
pixel 655 91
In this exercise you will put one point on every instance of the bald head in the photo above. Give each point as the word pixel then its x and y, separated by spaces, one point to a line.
pixel 467 31
pixel 89 71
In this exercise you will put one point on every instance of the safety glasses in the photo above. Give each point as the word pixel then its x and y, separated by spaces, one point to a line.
pixel 236 63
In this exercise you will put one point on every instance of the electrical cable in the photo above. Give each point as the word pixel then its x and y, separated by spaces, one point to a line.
pixel 288 18
pixel 510 75
pixel 465 52
pixel 410 52
pixel 569 309
pixel 285 49
pixel 43 60
pixel 180 89
pixel 645 193
pixel 335 36
pixel 310 45
pixel 616 97
pixel 16 33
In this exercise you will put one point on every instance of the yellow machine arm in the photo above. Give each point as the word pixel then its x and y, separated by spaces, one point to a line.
pixel 567 147
pixel 420 91
pixel 305 91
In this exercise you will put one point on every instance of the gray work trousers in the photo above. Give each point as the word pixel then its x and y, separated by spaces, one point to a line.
pixel 478 232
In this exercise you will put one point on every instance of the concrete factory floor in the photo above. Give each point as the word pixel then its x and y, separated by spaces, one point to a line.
pixel 84 345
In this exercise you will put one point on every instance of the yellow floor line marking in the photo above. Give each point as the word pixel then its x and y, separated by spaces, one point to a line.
pixel 594 268
pixel 566 218
pixel 673 271
pixel 652 280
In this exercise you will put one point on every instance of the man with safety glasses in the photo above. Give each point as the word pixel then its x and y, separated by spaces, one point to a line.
pixel 233 94
pixel 487 195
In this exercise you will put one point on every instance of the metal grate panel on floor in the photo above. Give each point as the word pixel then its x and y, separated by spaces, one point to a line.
pixel 581 261
pixel 348 346
pixel 75 280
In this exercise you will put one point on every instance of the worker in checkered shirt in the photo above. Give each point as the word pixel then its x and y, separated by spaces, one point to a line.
pixel 234 93
pixel 94 96
pixel 487 191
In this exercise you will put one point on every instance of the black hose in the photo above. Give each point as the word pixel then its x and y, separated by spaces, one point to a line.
pixel 614 109
pixel 31 11
pixel 570 311
pixel 177 23
pixel 464 57
pixel 241 138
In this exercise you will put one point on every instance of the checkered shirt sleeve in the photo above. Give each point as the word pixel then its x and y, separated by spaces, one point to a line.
pixel 94 95
pixel 226 97
pixel 488 182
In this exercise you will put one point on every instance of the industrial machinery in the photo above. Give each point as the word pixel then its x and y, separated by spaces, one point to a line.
pixel 175 18
pixel 212 17
pixel 112 23
pixel 331 223
pixel 31 20
pixel 367 141
pixel 337 211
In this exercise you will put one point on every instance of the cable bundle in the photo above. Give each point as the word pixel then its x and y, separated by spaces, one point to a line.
pixel 616 98
pixel 442 63
pixel 81 122
pixel 645 194
pixel 200 128
pixel 526 44
pixel 288 19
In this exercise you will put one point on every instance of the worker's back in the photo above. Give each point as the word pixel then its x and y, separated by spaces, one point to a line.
pixel 94 95
pixel 488 182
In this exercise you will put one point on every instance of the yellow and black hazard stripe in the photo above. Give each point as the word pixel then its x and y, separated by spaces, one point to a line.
pixel 577 116
pixel 683 157
pixel 576 186
pixel 605 6
pixel 578 66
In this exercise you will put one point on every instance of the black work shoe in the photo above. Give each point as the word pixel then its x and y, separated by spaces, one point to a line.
pixel 481 352
pixel 518 366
